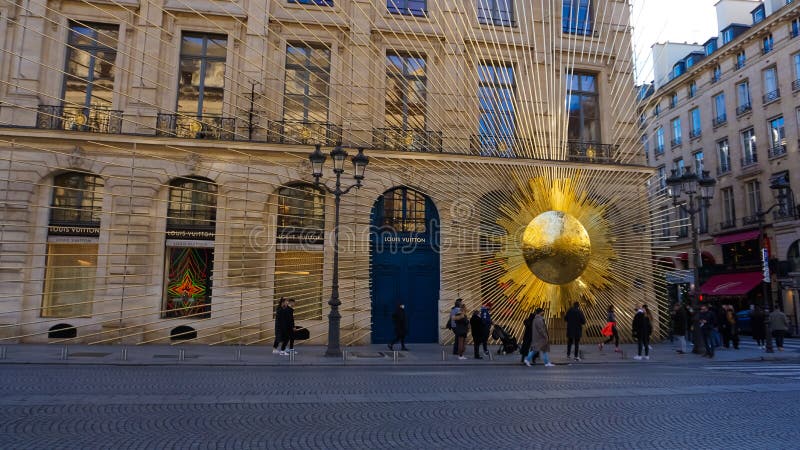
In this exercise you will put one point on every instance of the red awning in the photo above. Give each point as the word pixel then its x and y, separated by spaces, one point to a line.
pixel 731 283
pixel 737 237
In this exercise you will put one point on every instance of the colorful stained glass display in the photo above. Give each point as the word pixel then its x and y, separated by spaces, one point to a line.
pixel 189 282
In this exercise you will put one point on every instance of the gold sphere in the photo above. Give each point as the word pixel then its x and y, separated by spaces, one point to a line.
pixel 556 247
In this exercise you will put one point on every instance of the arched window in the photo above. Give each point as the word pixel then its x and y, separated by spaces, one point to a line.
pixel 72 239
pixel 404 211
pixel 191 222
pixel 793 256
pixel 299 256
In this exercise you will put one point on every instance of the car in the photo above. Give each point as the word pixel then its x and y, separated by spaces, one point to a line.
pixel 743 322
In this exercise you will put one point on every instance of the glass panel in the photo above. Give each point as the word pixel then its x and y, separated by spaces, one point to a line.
pixel 77 198
pixel 188 292
pixel 298 276
pixel 70 274
pixel 192 204
pixel 301 214
pixel 308 76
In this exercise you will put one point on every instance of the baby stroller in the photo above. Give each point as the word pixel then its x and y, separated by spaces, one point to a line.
pixel 508 343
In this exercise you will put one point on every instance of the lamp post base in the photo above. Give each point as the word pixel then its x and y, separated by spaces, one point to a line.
pixel 334 319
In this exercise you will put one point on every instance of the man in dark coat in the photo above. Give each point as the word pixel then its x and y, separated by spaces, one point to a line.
pixel 680 320
pixel 575 322
pixel 400 321
pixel 479 333
pixel 707 320
pixel 642 328
pixel 527 334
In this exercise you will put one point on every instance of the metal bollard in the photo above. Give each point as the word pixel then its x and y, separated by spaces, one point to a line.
pixel 344 355
pixel 238 354
pixel 181 355
pixel 444 355
pixel 491 356
pixel 64 353
pixel 124 353
pixel 394 356
pixel 2 352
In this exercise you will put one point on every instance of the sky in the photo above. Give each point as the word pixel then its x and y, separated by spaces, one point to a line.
pixel 669 20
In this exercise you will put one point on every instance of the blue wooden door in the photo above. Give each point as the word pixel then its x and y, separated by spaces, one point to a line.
pixel 405 266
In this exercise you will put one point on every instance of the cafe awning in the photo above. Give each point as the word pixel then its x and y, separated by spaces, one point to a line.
pixel 737 237
pixel 731 284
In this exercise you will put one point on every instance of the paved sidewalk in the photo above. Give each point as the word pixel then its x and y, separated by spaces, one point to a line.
pixel 369 355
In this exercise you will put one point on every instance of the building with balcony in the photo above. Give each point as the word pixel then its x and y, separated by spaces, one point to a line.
pixel 741 107
pixel 156 183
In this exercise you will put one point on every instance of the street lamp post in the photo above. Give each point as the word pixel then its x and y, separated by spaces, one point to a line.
pixel 784 197
pixel 699 189
pixel 360 161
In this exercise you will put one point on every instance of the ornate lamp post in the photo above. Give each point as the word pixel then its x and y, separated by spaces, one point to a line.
pixel 700 190
pixel 785 205
pixel 360 161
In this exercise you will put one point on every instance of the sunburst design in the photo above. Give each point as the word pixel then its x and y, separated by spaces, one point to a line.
pixel 567 269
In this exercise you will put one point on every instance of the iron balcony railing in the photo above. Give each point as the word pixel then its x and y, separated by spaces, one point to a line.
pixel 407 140
pixel 659 150
pixel 771 96
pixel 720 120
pixel 95 119
pixel 499 146
pixel 750 220
pixel 727 224
pixel 743 108
pixel 777 150
pixel 739 65
pixel 498 21
pixel 303 132
pixel 676 142
pixel 796 85
pixel 694 134
pixel 196 127
pixel 785 212
pixel 749 160
pixel 590 152
pixel 723 169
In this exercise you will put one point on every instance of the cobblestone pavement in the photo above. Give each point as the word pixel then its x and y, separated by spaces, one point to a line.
pixel 647 405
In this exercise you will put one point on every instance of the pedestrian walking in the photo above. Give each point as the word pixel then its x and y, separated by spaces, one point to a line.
pixel 610 330
pixel 527 335
pixel 400 321
pixel 457 307
pixel 280 325
pixel 642 328
pixel 680 321
pixel 486 317
pixel 461 328
pixel 732 328
pixel 540 340
pixel 778 325
pixel 479 333
pixel 758 327
pixel 575 322
pixel 288 330
pixel 706 322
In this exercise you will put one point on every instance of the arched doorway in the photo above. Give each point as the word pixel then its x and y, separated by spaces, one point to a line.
pixel 404 256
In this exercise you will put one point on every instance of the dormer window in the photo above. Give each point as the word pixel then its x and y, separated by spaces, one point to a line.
pixel 758 14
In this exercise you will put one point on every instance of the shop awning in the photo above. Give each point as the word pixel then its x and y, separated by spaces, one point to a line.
pixel 737 237
pixel 731 283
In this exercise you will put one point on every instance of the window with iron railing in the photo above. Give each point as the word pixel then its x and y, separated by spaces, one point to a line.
pixel 408 7
pixel 576 17
pixel 723 157
pixel 749 155
pixel 496 12
pixel 767 44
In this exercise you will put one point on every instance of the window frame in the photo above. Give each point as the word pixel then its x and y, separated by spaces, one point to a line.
pixel 204 60
pixel 196 219
pixel 570 23
pixel 582 94
pixel 92 50
pixel 305 71
pixel 406 80
pixel 401 7
pixel 497 17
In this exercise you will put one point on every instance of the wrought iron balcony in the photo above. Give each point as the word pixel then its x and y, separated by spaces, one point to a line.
pixel 498 146
pixel 503 21
pixel 659 150
pixel 720 120
pixel 590 152
pixel 694 134
pixel 94 119
pixel 743 108
pixel 196 127
pixel 676 142
pixel 303 132
pixel 785 213
pixel 796 85
pixel 777 150
pixel 407 140
pixel 771 96
pixel 750 160
pixel 750 220
pixel 739 65
pixel 723 169
pixel 727 224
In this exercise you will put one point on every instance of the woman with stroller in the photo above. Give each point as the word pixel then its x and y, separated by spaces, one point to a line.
pixel 611 324
pixel 540 340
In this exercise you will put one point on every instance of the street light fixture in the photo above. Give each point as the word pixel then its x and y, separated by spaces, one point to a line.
pixel 360 161
pixel 700 190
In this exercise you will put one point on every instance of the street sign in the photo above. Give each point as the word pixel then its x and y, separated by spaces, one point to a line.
pixel 765 265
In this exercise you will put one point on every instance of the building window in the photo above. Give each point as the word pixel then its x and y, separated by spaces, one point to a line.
pixel 692 88
pixel 741 59
pixel 711 46
pixel 71 267
pixel 299 260
pixel 758 14
pixel 716 74
pixel 657 110
pixel 496 121
pixel 728 208
pixel 777 136
pixel 665 224
pixel 576 17
pixel 679 166
pixel 724 156
pixel 201 85
pixel 405 91
pixel 771 91
pixel 404 211
pixel 313 2
pixel 698 163
pixel 646 147
pixel 796 82
pixel 584 108
pixel 727 35
pixel 794 28
pixel 677 137
pixel 767 44
pixel 191 223
pixel 683 223
pixel 662 177
pixel 409 7
pixel 301 214
pixel 753 194
pixel 694 117
pixel 678 69
pixel 659 140
pixel 720 115
pixel 673 100
pixel 496 12
pixel 90 72
pixel 307 83
pixel 703 225
pixel 743 98
pixel 749 155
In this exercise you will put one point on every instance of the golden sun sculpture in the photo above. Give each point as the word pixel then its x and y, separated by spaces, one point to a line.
pixel 557 247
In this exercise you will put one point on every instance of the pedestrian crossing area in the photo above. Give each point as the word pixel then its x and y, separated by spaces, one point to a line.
pixel 789 345
pixel 787 371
